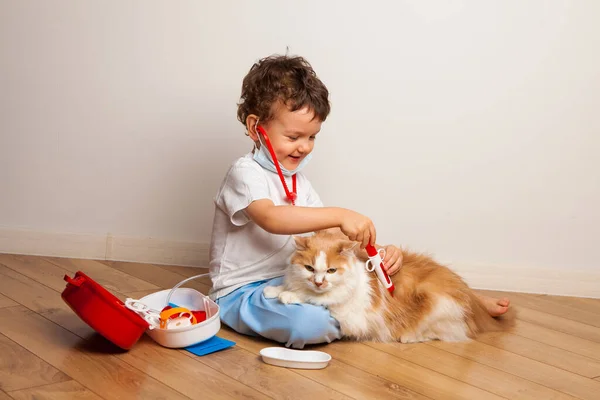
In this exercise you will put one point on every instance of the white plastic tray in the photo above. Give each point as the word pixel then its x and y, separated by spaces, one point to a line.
pixel 189 335
pixel 289 358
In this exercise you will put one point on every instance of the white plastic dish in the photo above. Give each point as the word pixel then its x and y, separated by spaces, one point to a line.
pixel 289 358
pixel 187 335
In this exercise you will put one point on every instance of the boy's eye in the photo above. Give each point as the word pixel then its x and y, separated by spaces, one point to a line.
pixel 293 138
pixel 309 268
pixel 313 137
pixel 331 270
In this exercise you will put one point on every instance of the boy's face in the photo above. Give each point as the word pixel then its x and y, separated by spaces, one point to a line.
pixel 292 134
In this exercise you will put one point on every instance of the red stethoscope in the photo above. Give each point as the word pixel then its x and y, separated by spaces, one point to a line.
pixel 290 195
pixel 375 261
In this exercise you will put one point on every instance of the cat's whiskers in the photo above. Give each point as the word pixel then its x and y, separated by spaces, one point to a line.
pixel 430 302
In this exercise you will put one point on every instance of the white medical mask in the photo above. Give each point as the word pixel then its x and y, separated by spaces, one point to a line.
pixel 263 157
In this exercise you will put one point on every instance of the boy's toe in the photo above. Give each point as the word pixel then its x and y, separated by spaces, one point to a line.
pixel 504 302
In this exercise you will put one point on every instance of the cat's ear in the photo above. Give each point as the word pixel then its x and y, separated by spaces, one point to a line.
pixel 346 247
pixel 301 242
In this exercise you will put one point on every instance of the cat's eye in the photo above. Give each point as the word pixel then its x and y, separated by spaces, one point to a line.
pixel 331 270
pixel 309 268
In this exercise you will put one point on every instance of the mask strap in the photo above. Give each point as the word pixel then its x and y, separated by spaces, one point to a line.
pixel 290 195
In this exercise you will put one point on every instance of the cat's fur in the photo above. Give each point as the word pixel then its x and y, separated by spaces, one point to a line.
pixel 430 301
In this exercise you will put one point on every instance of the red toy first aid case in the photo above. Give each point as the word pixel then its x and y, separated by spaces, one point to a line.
pixel 124 323
pixel 101 310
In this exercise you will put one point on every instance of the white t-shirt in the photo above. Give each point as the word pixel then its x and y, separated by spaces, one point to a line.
pixel 241 252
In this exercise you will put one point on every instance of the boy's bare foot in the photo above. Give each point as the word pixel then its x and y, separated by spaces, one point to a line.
pixel 495 307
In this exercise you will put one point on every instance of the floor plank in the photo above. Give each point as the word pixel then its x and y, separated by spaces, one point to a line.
pixel 135 295
pixel 6 302
pixel 111 278
pixel 152 365
pixel 41 299
pixel 185 271
pixel 584 304
pixel 38 269
pixel 491 379
pixel 419 379
pixel 557 339
pixel 553 307
pixel 189 272
pixel 58 391
pixel 104 374
pixel 556 318
pixel 546 375
pixel 274 382
pixel 544 353
pixel 47 273
pixel 20 369
pixel 161 277
pixel 560 324
pixel 552 353
pixel 342 377
pixel 176 369
pixel 28 291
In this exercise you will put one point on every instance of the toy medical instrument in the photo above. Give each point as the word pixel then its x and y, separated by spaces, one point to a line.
pixel 290 195
pixel 168 318
pixel 375 263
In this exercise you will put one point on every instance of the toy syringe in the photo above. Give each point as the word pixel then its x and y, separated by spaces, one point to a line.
pixel 376 261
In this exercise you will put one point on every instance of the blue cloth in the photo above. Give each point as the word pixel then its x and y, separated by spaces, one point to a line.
pixel 247 311
pixel 211 345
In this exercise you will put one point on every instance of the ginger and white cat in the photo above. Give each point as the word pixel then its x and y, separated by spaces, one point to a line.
pixel 430 301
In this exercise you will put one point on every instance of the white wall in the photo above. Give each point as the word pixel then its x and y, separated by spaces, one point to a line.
pixel 476 120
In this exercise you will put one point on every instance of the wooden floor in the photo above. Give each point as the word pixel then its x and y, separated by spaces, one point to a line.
pixel 46 351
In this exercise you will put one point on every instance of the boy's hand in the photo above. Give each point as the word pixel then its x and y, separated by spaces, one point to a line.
pixel 393 259
pixel 358 228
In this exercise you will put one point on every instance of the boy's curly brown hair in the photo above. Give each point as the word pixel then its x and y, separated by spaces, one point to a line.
pixel 288 79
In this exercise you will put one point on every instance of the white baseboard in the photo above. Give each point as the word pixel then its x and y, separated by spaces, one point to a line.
pixel 557 282
pixel 52 244
pixel 103 247
pixel 157 251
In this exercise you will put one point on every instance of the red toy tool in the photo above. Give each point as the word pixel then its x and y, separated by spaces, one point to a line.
pixel 376 261
pixel 290 195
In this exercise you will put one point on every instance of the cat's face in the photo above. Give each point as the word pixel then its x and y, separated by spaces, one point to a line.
pixel 321 262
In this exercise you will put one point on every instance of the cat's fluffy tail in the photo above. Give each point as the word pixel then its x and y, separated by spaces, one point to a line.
pixel 484 322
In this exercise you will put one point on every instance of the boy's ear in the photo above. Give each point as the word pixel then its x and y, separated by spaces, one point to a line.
pixel 251 123
pixel 347 247
pixel 301 242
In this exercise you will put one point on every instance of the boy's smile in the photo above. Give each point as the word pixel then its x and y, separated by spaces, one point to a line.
pixel 291 133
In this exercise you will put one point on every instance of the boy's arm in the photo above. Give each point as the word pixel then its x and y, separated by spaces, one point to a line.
pixel 292 220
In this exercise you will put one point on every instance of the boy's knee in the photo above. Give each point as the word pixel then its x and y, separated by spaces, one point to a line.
pixel 311 325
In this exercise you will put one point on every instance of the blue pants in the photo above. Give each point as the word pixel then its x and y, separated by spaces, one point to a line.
pixel 247 311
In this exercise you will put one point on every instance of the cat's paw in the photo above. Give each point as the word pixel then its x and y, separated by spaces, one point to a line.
pixel 412 337
pixel 272 292
pixel 289 298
